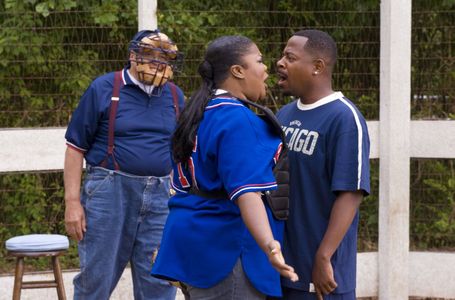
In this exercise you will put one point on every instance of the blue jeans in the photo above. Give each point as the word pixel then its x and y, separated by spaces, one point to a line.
pixel 125 216
pixel 292 294
pixel 235 286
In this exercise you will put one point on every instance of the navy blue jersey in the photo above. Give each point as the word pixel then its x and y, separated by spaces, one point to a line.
pixel 328 152
pixel 204 237
pixel 143 127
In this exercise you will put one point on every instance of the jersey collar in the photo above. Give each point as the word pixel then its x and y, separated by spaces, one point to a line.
pixel 220 92
pixel 127 78
pixel 223 94
pixel 130 80
pixel 327 99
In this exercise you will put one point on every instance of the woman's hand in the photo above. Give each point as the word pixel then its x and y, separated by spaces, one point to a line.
pixel 254 216
pixel 277 260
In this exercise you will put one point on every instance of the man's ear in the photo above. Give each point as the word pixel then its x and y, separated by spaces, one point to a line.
pixel 319 66
pixel 237 71
pixel 132 55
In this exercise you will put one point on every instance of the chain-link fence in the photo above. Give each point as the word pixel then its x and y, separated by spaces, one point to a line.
pixel 49 58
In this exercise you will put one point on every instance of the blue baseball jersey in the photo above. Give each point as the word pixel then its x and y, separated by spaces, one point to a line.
pixel 203 237
pixel 143 126
pixel 328 153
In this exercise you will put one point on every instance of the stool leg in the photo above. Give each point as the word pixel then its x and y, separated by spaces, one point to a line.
pixel 58 278
pixel 18 278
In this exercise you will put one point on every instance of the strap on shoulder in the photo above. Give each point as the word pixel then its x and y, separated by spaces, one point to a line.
pixel 175 99
pixel 270 116
pixel 278 200
pixel 118 83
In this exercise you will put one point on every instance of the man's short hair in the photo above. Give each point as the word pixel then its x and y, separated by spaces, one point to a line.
pixel 320 44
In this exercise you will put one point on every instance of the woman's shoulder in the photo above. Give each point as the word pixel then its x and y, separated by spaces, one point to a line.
pixel 229 110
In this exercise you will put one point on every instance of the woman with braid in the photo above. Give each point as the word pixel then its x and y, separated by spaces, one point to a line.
pixel 221 240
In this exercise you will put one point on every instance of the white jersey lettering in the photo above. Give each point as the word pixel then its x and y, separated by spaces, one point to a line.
pixel 310 142
pixel 302 140
pixel 294 135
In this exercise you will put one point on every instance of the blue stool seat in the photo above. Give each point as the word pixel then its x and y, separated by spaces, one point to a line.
pixel 37 245
pixel 37 242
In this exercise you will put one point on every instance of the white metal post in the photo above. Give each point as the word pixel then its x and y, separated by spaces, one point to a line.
pixel 394 149
pixel 147 14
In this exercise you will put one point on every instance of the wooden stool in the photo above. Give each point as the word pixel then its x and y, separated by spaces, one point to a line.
pixel 38 246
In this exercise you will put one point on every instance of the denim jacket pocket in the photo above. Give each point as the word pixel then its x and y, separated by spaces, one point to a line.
pixel 160 199
pixel 95 182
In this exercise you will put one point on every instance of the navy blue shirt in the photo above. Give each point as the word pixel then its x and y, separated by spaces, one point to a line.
pixel 143 127
pixel 203 237
pixel 328 152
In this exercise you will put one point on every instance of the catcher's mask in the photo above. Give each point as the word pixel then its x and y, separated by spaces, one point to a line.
pixel 156 57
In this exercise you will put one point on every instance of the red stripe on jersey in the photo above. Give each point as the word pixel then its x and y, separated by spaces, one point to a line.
pixel 193 173
pixel 253 186
pixel 223 104
pixel 183 181
pixel 278 153
pixel 224 97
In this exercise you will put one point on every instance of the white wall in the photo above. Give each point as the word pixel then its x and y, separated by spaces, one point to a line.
pixel 43 148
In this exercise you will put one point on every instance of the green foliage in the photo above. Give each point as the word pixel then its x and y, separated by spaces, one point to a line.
pixel 44 70
pixel 32 203
pixel 192 24
pixel 44 8
pixel 369 209
pixel 433 75
pixel 433 204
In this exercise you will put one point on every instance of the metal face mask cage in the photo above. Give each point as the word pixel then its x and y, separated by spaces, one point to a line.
pixel 157 58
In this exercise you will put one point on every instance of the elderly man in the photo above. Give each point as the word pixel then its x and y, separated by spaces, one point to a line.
pixel 122 128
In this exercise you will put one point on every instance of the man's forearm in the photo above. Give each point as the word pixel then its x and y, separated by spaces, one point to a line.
pixel 72 174
pixel 341 216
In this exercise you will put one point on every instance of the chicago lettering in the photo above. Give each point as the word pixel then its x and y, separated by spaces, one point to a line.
pixel 302 140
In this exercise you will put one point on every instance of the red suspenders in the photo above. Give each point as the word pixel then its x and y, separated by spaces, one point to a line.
pixel 175 99
pixel 118 83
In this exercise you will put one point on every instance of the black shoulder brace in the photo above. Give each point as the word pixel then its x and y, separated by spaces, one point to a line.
pixel 278 199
